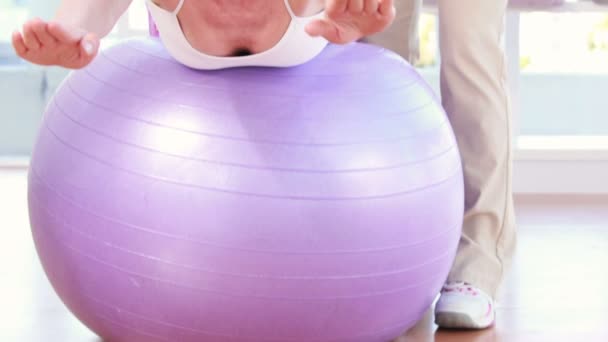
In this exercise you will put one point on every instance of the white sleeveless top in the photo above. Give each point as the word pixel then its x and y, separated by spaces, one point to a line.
pixel 295 47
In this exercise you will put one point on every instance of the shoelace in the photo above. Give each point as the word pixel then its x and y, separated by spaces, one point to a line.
pixel 460 287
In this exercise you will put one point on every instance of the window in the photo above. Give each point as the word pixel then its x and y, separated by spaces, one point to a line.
pixel 563 71
pixel 429 45
pixel 564 74
pixel 564 42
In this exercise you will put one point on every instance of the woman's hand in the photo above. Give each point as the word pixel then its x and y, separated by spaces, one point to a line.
pixel 351 20
pixel 55 44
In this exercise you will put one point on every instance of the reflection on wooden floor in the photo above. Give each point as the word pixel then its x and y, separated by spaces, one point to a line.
pixel 556 291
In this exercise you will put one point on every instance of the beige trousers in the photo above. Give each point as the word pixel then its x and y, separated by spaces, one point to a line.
pixel 475 96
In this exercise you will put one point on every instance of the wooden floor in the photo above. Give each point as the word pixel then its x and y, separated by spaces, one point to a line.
pixel 556 291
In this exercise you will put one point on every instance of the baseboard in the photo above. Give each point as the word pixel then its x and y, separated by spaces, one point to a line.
pixel 10 163
pixel 555 176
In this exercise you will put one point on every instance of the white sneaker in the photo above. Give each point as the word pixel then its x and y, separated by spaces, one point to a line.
pixel 463 306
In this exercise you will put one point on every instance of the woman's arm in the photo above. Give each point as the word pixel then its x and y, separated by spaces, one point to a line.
pixel 72 39
pixel 94 16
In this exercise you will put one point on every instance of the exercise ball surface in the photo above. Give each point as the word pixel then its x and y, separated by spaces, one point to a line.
pixel 317 203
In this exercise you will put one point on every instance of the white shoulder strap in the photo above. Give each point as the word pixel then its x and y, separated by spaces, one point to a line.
pixel 293 16
pixel 179 7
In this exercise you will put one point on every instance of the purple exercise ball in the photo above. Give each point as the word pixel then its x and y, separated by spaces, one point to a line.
pixel 317 203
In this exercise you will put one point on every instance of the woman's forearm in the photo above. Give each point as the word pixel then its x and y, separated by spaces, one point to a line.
pixel 97 16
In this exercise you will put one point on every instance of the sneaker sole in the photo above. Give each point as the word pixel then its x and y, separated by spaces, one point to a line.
pixel 456 320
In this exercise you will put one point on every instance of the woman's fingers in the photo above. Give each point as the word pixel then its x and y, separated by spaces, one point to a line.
pixel 361 18
pixel 319 27
pixel 43 35
pixel 19 44
pixel 371 7
pixel 336 7
pixel 387 8
pixel 29 37
pixel 55 44
pixel 329 30
pixel 355 6
pixel 89 46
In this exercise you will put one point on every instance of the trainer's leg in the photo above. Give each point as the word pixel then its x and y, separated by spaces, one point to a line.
pixel 474 93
